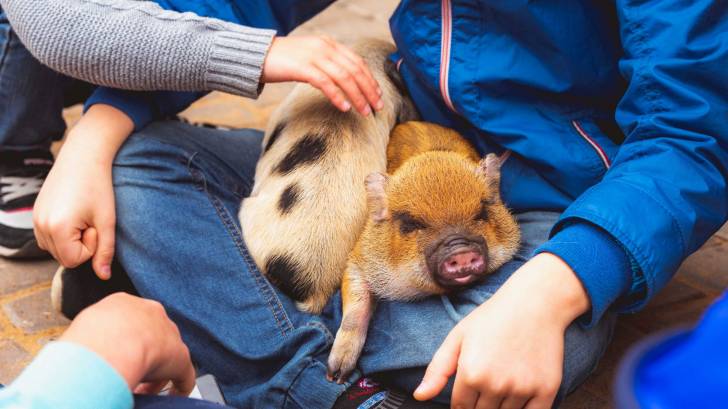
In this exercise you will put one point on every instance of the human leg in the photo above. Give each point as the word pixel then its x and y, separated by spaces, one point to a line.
pixel 31 100
pixel 178 189
pixel 173 402
pixel 31 96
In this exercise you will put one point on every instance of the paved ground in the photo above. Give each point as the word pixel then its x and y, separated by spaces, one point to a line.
pixel 27 321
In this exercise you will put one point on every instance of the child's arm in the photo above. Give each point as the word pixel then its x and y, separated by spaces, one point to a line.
pixel 74 215
pixel 509 352
pixel 137 45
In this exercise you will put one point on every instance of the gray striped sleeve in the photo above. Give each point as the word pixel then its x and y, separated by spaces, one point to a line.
pixel 137 45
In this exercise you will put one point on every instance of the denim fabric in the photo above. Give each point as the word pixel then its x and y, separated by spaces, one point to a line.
pixel 173 402
pixel 32 96
pixel 178 189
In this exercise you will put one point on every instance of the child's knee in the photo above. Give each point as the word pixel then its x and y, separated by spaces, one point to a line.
pixel 583 348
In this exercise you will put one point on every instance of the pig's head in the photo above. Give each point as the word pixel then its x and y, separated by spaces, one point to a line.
pixel 438 224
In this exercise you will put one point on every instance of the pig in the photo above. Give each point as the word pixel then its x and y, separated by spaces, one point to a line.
pixel 308 203
pixel 436 224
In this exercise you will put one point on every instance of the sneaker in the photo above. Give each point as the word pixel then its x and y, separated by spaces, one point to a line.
pixel 74 289
pixel 21 176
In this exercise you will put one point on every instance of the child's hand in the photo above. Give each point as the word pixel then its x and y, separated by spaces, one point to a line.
pixel 136 338
pixel 74 216
pixel 327 65
pixel 509 352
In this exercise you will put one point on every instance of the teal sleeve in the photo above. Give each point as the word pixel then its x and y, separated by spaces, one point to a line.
pixel 67 376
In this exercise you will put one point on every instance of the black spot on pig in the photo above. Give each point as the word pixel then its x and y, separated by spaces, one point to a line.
pixel 308 149
pixel 289 198
pixel 274 136
pixel 282 272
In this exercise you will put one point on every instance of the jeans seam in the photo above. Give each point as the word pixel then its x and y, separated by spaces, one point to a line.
pixel 274 304
pixel 5 51
pixel 321 327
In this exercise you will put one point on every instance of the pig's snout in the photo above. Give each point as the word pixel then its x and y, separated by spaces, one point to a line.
pixel 466 263
pixel 461 261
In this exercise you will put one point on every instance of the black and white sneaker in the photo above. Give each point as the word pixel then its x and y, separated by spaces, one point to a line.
pixel 21 176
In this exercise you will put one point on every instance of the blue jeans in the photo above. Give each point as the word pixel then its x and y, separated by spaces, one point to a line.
pixel 172 402
pixel 32 96
pixel 178 189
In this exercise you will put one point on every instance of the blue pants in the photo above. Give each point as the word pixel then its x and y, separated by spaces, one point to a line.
pixel 173 402
pixel 178 189
pixel 32 96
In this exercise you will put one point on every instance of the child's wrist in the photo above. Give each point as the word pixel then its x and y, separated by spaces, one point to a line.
pixel 99 134
pixel 554 287
pixel 570 299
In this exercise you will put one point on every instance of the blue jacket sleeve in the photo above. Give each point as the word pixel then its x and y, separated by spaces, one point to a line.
pixel 141 106
pixel 67 376
pixel 605 281
pixel 666 191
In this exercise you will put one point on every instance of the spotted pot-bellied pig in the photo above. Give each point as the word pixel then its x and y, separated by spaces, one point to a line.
pixel 308 204
pixel 436 224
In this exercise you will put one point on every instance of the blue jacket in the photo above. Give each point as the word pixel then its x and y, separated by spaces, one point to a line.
pixel 612 112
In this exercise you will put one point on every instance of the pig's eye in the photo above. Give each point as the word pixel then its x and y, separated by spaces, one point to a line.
pixel 483 213
pixel 408 224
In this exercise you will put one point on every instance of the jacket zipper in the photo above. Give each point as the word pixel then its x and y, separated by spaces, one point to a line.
pixel 602 155
pixel 445 53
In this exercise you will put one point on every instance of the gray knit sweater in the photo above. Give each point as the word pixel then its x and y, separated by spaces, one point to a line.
pixel 137 45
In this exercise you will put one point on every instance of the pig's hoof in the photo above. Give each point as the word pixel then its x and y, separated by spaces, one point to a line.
pixel 313 305
pixel 344 355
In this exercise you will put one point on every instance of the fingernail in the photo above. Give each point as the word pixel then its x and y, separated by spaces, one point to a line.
pixel 420 388
pixel 106 272
pixel 379 105
pixel 346 106
pixel 367 110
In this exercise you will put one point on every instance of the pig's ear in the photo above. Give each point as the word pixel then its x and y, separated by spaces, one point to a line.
pixel 489 168
pixel 376 184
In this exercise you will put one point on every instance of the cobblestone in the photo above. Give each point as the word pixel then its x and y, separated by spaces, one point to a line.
pixel 12 359
pixel 33 313
pixel 18 275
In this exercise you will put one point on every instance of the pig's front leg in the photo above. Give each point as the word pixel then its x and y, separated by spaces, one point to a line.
pixel 358 305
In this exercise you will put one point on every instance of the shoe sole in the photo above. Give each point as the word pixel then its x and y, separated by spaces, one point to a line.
pixel 30 250
pixel 57 290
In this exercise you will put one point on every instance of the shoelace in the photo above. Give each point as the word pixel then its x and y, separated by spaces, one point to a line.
pixel 13 187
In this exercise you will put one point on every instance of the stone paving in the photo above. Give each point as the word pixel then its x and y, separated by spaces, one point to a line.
pixel 27 321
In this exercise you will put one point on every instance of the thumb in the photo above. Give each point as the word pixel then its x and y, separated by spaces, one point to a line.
pixel 441 368
pixel 185 382
pixel 104 251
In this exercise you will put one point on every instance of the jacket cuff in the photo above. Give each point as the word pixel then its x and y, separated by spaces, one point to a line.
pixel 236 61
pixel 65 375
pixel 139 110
pixel 600 262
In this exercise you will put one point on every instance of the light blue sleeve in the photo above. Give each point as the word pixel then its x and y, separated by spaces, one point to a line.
pixel 67 376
